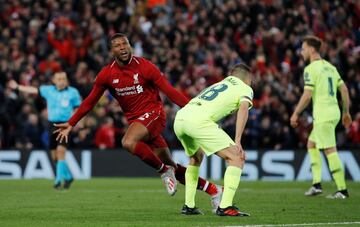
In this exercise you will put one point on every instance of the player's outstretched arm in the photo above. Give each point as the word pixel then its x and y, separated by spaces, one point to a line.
pixel 88 104
pixel 174 95
pixel 26 89
pixel 161 82
pixel 346 117
pixel 303 103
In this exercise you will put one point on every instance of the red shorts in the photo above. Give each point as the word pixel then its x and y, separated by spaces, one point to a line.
pixel 155 122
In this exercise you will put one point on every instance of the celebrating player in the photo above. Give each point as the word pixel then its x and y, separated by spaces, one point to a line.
pixel 322 81
pixel 196 128
pixel 61 101
pixel 135 83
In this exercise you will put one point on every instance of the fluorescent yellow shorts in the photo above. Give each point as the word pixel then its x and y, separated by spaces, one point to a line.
pixel 195 133
pixel 323 134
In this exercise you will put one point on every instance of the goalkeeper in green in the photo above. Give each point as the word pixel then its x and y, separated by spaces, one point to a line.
pixel 322 80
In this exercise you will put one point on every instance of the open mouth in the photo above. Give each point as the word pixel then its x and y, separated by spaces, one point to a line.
pixel 124 54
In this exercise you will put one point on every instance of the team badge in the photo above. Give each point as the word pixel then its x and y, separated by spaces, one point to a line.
pixel 136 78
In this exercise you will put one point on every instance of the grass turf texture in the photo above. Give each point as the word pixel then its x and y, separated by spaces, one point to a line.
pixel 144 202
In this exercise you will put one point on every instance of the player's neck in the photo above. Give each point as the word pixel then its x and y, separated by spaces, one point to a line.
pixel 123 63
pixel 315 57
pixel 60 89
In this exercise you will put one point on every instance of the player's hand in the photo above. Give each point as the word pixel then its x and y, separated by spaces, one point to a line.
pixel 294 120
pixel 346 120
pixel 13 84
pixel 63 131
pixel 241 151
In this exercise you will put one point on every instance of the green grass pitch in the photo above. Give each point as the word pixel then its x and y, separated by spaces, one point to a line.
pixel 144 202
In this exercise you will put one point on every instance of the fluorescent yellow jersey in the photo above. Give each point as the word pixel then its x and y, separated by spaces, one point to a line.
pixel 323 79
pixel 219 100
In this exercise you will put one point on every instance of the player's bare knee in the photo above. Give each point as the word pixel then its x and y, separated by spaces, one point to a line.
pixel 239 159
pixel 310 144
pixel 196 159
pixel 128 144
pixel 200 156
pixel 235 156
pixel 330 150
pixel 233 152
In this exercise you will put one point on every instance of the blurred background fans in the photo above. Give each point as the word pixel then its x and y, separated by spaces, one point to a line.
pixel 192 42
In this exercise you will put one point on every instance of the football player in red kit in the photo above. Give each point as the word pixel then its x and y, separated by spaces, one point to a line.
pixel 135 83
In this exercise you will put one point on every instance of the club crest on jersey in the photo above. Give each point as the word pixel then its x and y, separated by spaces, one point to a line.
pixel 115 81
pixel 136 78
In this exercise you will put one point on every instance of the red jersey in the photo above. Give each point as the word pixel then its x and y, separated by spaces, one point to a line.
pixel 135 86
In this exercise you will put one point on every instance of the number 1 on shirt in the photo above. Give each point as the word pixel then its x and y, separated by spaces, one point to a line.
pixel 331 89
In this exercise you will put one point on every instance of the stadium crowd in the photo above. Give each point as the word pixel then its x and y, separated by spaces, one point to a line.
pixel 192 42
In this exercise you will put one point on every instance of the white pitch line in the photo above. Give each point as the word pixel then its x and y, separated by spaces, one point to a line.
pixel 300 224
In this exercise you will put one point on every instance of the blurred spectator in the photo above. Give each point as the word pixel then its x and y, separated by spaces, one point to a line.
pixel 49 66
pixel 354 131
pixel 105 134
pixel 194 43
pixel 32 132
pixel 84 133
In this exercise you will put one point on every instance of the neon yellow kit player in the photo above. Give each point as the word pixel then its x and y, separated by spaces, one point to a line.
pixel 195 126
pixel 322 81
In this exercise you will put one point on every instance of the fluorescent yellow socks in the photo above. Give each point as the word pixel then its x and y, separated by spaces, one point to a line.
pixel 315 159
pixel 191 181
pixel 337 170
pixel 231 183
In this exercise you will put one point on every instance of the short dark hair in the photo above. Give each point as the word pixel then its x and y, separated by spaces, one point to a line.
pixel 313 41
pixel 117 35
pixel 240 67
pixel 59 72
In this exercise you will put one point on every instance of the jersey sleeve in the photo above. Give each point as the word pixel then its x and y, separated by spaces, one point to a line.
pixel 339 80
pixel 88 104
pixel 76 99
pixel 309 79
pixel 44 91
pixel 154 74
pixel 101 78
pixel 247 96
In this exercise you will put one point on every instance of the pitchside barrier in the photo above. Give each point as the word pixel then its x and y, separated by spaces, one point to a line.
pixel 284 165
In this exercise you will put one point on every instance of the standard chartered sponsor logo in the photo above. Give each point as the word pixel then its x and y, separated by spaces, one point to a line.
pixel 133 90
pixel 124 89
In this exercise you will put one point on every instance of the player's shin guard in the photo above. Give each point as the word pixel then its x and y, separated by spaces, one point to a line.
pixel 203 185
pixel 231 183
pixel 337 170
pixel 144 152
pixel 191 181
pixel 315 159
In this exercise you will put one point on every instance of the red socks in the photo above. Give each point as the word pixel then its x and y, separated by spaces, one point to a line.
pixel 144 152
pixel 203 184
pixel 180 173
pixel 211 189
